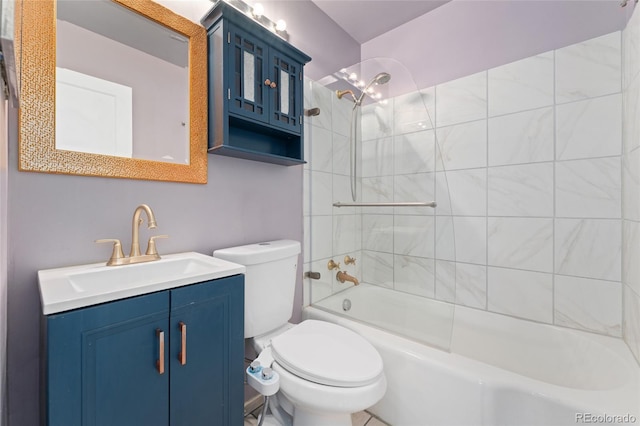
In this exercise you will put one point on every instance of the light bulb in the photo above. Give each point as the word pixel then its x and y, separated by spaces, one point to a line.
pixel 353 76
pixel 281 25
pixel 258 10
pixel 360 84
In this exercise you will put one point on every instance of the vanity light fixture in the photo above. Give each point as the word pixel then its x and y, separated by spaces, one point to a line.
pixel 256 12
pixel 281 25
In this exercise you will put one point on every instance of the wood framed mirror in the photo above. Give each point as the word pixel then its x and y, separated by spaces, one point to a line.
pixel 113 110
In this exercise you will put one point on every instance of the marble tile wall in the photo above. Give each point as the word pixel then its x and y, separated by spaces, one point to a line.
pixel 538 200
pixel 631 183
pixel 527 173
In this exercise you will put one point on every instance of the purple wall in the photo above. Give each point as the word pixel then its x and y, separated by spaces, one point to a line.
pixel 463 37
pixel 313 32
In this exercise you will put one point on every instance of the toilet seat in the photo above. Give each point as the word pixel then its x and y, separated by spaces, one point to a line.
pixel 328 354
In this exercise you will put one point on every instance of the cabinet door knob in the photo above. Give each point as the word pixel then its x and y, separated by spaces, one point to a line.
pixel 272 85
pixel 267 82
pixel 182 356
pixel 160 361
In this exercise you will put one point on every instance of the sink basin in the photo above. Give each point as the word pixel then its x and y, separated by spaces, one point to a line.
pixel 75 287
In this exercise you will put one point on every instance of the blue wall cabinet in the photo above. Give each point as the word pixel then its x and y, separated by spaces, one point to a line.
pixel 255 90
pixel 173 357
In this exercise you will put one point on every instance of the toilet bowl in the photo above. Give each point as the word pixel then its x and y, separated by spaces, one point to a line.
pixel 326 372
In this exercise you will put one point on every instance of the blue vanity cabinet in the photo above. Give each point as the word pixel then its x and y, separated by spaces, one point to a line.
pixel 255 90
pixel 124 362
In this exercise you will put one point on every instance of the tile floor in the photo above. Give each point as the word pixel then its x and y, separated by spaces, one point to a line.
pixel 359 419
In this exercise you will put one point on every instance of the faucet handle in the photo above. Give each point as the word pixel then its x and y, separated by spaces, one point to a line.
pixel 151 245
pixel 333 265
pixel 117 249
pixel 348 260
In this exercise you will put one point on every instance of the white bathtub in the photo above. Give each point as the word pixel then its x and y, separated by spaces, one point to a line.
pixel 500 371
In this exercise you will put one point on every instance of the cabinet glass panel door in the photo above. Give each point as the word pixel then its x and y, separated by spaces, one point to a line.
pixel 247 86
pixel 286 102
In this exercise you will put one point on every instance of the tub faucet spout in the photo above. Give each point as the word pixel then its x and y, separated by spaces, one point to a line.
pixel 343 276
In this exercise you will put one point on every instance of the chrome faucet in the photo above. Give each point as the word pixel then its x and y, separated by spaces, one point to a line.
pixel 343 276
pixel 117 256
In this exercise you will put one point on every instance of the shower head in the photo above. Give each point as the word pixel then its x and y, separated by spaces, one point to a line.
pixel 380 78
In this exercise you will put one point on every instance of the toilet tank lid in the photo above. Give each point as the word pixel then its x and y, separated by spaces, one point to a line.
pixel 253 254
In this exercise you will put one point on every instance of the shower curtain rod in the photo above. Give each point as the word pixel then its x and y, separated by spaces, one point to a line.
pixel 407 204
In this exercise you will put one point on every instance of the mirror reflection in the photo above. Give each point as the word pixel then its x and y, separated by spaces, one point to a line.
pixel 122 83
pixel 116 118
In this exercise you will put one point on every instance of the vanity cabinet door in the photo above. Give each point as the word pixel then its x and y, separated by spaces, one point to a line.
pixel 247 82
pixel 102 364
pixel 207 358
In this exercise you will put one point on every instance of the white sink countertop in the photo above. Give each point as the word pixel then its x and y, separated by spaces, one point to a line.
pixel 73 287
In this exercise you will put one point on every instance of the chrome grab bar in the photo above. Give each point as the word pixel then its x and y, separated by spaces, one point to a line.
pixel 432 204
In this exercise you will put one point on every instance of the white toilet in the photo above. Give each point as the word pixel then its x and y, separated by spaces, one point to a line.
pixel 326 371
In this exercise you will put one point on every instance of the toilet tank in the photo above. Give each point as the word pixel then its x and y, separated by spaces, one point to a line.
pixel 269 283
